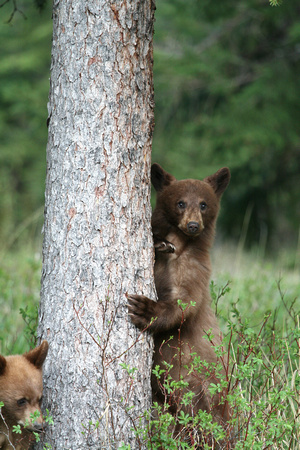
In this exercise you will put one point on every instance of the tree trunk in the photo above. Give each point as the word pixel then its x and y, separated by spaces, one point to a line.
pixel 97 236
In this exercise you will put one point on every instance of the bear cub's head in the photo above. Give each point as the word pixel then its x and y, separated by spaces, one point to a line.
pixel 190 205
pixel 21 387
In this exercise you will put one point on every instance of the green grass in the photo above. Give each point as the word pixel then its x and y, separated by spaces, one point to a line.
pixel 20 273
pixel 256 285
pixel 257 302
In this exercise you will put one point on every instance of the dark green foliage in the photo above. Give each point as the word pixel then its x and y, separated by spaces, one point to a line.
pixel 24 85
pixel 40 4
pixel 16 7
pixel 226 87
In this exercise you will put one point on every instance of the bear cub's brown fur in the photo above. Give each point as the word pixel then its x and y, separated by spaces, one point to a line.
pixel 21 388
pixel 183 225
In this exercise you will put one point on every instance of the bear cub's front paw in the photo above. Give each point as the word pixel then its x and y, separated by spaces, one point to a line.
pixel 164 247
pixel 141 310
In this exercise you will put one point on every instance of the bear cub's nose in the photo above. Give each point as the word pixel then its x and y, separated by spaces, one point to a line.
pixel 193 227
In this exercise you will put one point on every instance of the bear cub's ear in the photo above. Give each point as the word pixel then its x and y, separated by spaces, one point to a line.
pixel 219 180
pixel 160 178
pixel 2 365
pixel 38 355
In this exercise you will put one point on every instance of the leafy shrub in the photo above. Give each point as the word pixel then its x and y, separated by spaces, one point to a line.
pixel 261 384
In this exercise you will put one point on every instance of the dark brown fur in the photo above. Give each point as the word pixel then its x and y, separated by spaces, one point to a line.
pixel 183 226
pixel 21 388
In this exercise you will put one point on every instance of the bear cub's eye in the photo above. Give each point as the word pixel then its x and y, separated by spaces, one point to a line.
pixel 203 206
pixel 21 402
pixel 181 205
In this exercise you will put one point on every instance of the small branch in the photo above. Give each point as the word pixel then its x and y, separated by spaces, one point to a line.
pixel 4 3
pixel 14 11
pixel 290 310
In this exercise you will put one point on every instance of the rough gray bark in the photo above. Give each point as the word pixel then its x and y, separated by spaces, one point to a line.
pixel 97 237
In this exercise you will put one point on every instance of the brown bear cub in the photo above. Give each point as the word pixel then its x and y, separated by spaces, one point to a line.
pixel 21 388
pixel 182 321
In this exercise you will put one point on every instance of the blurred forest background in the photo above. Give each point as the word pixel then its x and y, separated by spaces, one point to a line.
pixel 227 92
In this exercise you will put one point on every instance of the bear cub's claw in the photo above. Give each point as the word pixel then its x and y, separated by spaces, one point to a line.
pixel 164 247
